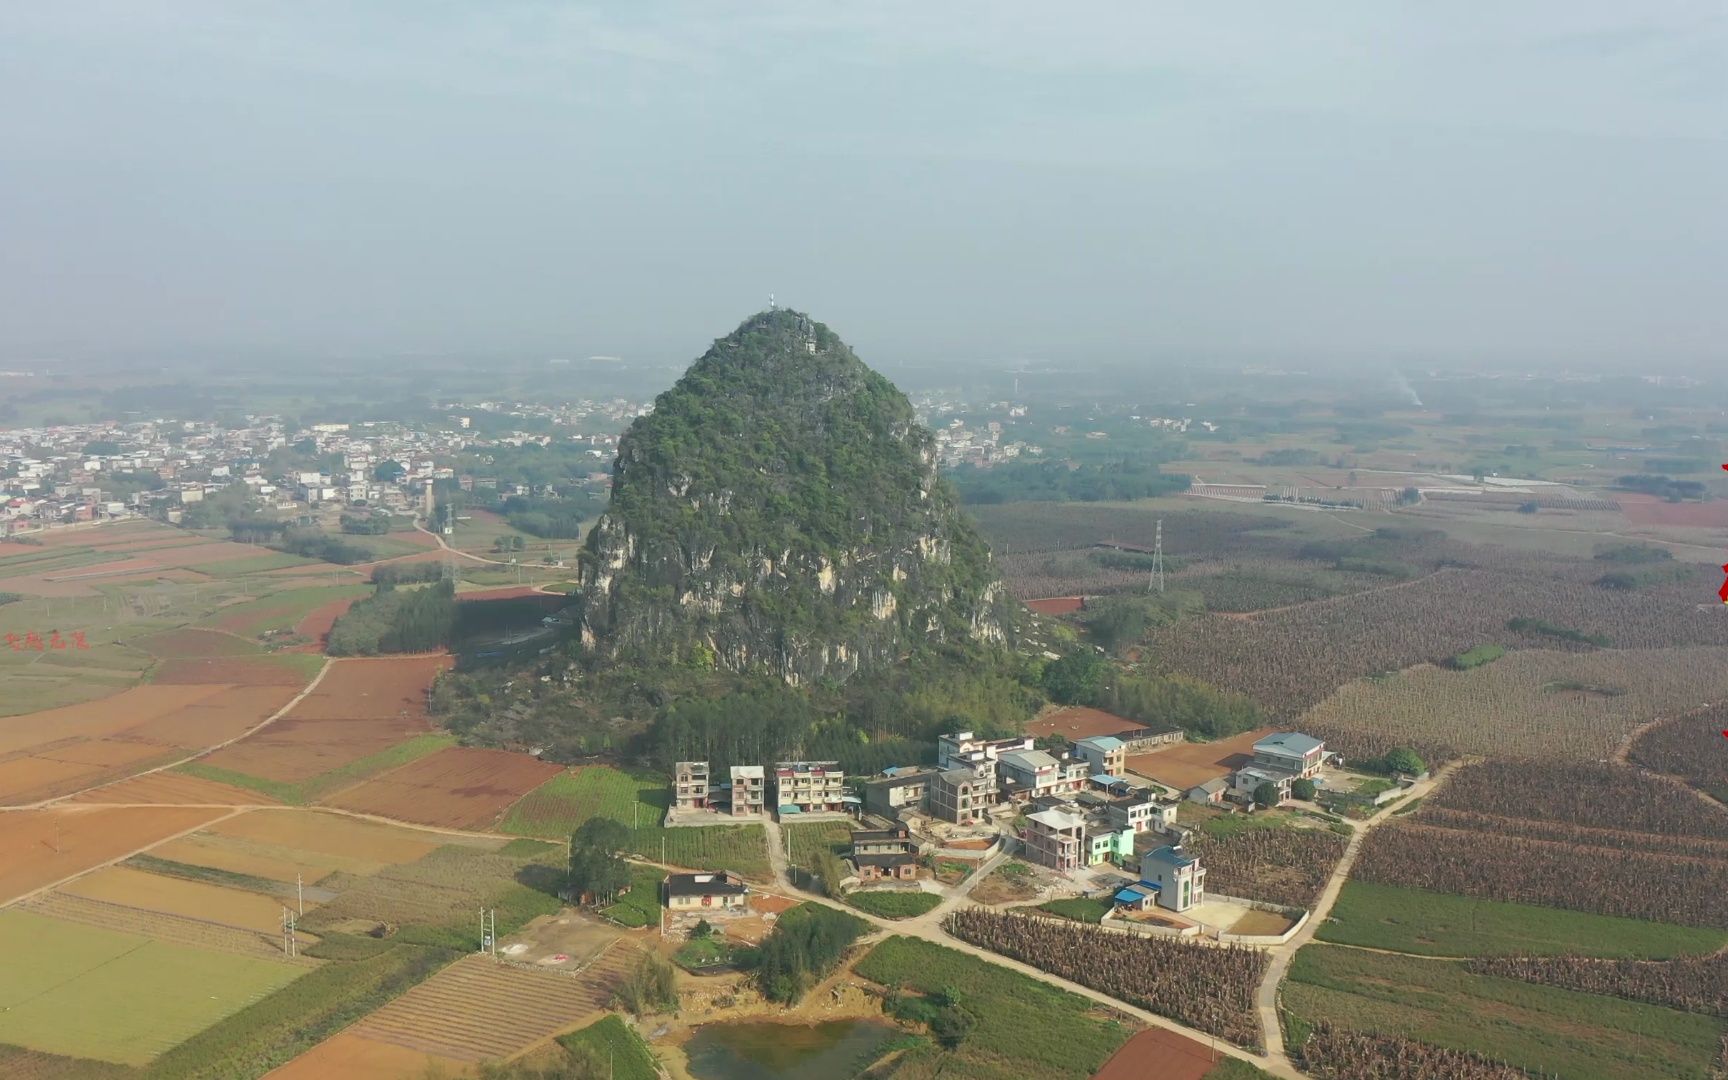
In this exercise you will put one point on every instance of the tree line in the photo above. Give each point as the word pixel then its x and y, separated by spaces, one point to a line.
pixel 395 620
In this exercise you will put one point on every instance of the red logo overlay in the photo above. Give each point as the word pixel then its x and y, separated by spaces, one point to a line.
pixel 33 641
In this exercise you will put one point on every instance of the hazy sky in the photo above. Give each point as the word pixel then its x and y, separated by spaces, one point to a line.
pixel 936 179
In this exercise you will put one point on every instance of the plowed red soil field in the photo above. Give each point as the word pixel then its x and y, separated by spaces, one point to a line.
pixel 460 788
pixel 40 847
pixel 317 623
pixel 360 708
pixel 173 788
pixel 1156 1052
pixel 365 689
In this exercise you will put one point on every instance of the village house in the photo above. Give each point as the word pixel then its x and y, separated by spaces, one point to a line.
pixel 1169 878
pixel 1211 793
pixel 1053 838
pixel 962 796
pixel 749 797
pixel 1105 754
pixel 1291 752
pixel 690 785
pixel 809 787
pixel 689 892
pixel 884 854
pixel 898 789
pixel 1030 774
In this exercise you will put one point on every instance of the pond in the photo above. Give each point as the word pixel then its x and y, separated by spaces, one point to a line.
pixel 764 1051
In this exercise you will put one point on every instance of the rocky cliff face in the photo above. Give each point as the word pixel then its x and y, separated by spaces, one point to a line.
pixel 780 512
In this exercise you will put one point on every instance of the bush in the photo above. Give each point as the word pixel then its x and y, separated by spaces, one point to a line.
pixel 1404 760
pixel 806 944
pixel 1303 789
pixel 1472 658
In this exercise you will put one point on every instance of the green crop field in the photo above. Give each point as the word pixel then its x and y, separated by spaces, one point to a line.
pixel 894 905
pixel 85 992
pixel 807 839
pixel 1437 924
pixel 614 1042
pixel 252 564
pixel 637 800
pixel 1024 1027
pixel 1542 1029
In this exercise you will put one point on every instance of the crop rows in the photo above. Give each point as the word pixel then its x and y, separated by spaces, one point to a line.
pixel 1697 984
pixel 1537 704
pixel 1585 794
pixel 1335 1053
pixel 1582 835
pixel 1020 527
pixel 1289 660
pixel 1278 866
pixel 1684 890
pixel 1205 987
pixel 1689 747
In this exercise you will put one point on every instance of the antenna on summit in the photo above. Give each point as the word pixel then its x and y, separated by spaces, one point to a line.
pixel 770 301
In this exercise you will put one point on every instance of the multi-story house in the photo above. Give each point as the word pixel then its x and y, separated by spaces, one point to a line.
pixel 1105 754
pixel 749 796
pixel 963 750
pixel 690 785
pixel 1055 838
pixel 1291 752
pixel 809 787
pixel 1032 774
pixel 896 790
pixel 1169 877
pixel 962 796
pixel 1106 843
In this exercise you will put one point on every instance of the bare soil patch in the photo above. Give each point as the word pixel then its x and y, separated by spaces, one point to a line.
pixel 40 847
pixel 1187 765
pixel 457 788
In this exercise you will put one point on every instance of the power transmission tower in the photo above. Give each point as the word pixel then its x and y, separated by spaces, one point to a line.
pixel 489 931
pixel 1156 580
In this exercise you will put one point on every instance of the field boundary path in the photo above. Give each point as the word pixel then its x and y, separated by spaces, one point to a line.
pixel 1266 997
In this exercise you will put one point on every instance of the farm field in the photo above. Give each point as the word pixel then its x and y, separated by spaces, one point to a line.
pixel 1186 764
pixel 478 1009
pixel 359 710
pixel 279 611
pixel 1687 747
pixel 41 847
pixel 330 836
pixel 348 1056
pixel 1436 924
pixel 1158 1052
pixel 458 787
pixel 637 800
pixel 1538 1028
pixel 1025 1027
pixel 1210 988
pixel 218 904
pixel 80 991
pixel 1523 704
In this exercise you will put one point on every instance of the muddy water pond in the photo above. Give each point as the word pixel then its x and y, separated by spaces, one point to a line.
pixel 833 1050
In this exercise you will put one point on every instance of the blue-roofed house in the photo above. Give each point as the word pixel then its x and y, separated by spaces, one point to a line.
pixel 1104 753
pixel 1178 876
pixel 1291 752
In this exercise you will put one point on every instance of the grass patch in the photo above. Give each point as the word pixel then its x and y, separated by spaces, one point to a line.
pixel 641 905
pixel 279 611
pixel 1236 1069
pixel 255 1040
pixel 254 564
pixel 894 905
pixel 210 875
pixel 611 1040
pixel 1545 1030
pixel 712 952
pixel 1023 1027
pixel 88 992
pixel 1439 924
pixel 638 801
pixel 303 792
pixel 1079 908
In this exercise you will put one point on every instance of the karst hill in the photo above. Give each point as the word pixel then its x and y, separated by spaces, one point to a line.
pixel 780 512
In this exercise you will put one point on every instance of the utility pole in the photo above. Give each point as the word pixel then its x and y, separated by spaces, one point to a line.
pixel 1156 581
pixel 300 891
